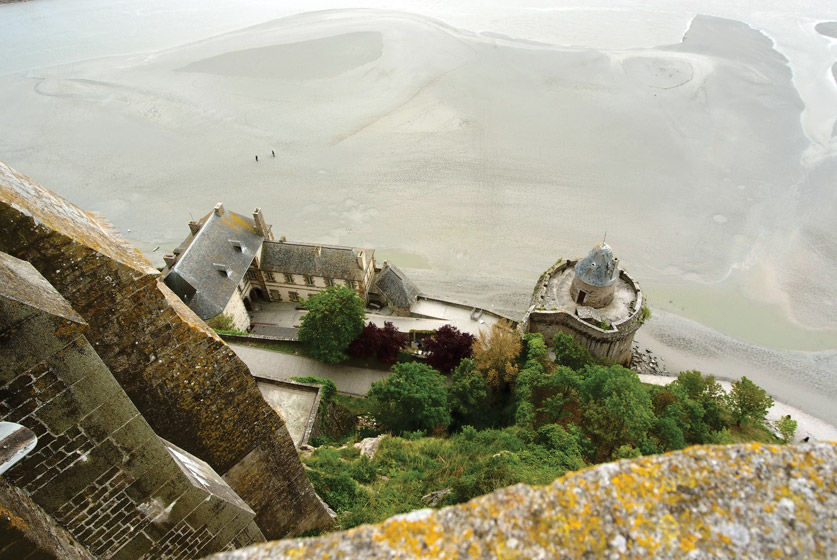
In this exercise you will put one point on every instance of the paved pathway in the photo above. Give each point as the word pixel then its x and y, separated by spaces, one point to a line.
pixel 276 365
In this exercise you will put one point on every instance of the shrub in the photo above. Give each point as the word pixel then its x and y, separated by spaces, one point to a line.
pixel 496 352
pixel 570 353
pixel 447 347
pixel 383 343
pixel 329 388
pixel 363 470
pixel 787 428
pixel 334 319
pixel 748 401
pixel 412 398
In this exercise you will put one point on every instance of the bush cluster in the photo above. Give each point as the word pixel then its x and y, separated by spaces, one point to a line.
pixel 512 414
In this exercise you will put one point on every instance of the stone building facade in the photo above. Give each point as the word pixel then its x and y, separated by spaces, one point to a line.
pixel 591 299
pixel 188 385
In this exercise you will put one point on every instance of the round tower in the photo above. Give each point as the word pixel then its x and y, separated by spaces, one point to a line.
pixel 595 278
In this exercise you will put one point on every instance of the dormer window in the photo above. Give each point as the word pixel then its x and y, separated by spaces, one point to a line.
pixel 236 244
pixel 222 269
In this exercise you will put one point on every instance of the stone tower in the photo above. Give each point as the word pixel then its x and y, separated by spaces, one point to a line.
pixel 591 299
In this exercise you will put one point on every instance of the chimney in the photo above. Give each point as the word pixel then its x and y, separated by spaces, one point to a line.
pixel 361 260
pixel 318 249
pixel 219 209
pixel 170 259
pixel 194 227
pixel 261 225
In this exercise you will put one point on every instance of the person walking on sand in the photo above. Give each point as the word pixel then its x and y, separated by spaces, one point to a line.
pixel 272 153
pixel 257 157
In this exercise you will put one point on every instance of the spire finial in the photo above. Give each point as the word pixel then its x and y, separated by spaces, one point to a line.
pixel 604 238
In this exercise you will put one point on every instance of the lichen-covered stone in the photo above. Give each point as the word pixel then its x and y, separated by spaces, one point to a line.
pixel 742 501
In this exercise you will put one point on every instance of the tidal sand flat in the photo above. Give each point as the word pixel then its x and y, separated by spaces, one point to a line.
pixel 477 155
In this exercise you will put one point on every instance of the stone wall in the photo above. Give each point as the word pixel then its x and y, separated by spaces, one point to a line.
pixel 188 384
pixel 29 532
pixel 744 502
pixel 237 312
pixel 98 469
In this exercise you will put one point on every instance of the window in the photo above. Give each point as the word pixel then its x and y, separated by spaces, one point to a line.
pixel 275 295
pixel 329 282
pixel 352 284
pixel 293 296
pixel 252 274
pixel 309 281
pixel 289 278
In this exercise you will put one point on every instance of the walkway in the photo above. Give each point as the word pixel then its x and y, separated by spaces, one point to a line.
pixel 276 365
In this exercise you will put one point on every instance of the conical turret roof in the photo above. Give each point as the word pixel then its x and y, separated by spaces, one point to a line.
pixel 599 268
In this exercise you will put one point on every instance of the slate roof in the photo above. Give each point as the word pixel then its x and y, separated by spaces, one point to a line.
pixel 213 261
pixel 395 285
pixel 599 268
pixel 326 261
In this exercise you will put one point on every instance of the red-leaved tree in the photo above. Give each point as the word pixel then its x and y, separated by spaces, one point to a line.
pixel 383 343
pixel 447 347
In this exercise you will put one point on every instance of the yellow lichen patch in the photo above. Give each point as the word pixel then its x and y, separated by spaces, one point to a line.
pixel 13 520
pixel 669 530
pixel 687 542
pixel 421 538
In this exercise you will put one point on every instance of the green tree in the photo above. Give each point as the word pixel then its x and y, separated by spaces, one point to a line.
pixel 412 398
pixel 705 403
pixel 617 409
pixel 787 428
pixel 748 402
pixel 570 353
pixel 334 319
pixel 469 397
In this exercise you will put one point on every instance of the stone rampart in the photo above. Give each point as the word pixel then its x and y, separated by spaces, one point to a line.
pixel 98 469
pixel 723 502
pixel 188 384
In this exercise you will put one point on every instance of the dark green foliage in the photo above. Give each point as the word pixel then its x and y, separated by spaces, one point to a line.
pixel 334 319
pixel 412 398
pixel 564 445
pixel 469 397
pixel 447 347
pixel 363 470
pixel 384 344
pixel 669 433
pixel 748 402
pixel 617 408
pixel 338 490
pixel 570 353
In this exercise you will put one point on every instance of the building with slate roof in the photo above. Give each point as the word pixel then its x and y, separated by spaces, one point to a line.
pixel 230 261
pixel 593 300
pixel 209 271
pixel 396 290
pixel 294 271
